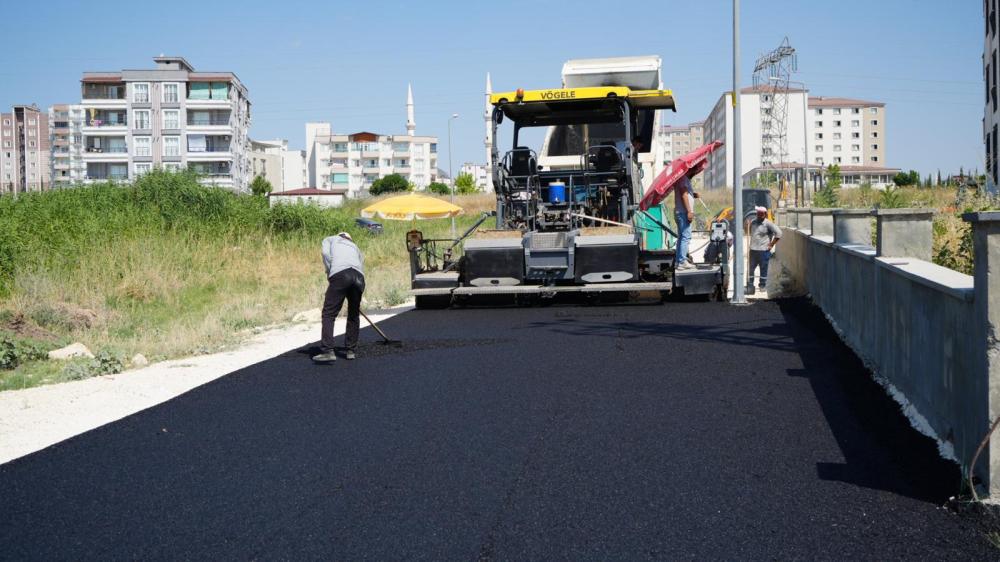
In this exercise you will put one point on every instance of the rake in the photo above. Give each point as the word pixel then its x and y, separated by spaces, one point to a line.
pixel 385 338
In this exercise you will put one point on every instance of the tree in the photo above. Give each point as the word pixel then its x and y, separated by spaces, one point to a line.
pixel 260 186
pixel 827 196
pixel 465 184
pixel 438 188
pixel 939 179
pixel 389 184
pixel 902 179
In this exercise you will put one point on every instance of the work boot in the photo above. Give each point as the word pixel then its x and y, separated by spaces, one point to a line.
pixel 685 266
pixel 349 355
pixel 325 357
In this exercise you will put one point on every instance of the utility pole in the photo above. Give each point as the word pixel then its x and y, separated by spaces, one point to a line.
pixel 738 281
pixel 451 175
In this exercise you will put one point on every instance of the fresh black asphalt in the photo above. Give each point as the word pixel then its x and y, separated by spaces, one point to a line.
pixel 680 431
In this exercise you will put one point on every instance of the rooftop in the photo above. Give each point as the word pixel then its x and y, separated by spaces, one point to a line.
pixel 309 191
pixel 820 101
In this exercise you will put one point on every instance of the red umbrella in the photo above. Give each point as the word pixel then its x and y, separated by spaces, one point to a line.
pixel 689 165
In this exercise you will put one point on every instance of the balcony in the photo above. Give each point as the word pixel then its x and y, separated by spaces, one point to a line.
pixel 208 147
pixel 105 148
pixel 101 94
pixel 105 172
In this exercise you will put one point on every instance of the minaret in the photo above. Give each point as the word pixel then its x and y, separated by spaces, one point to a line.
pixel 411 124
pixel 487 117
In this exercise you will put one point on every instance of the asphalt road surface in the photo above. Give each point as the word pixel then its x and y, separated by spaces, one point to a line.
pixel 687 430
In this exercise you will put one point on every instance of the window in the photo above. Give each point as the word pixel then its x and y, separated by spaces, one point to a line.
pixel 836 136
pixel 819 161
pixel 6 121
pixel 31 143
pixel 819 112
pixel 836 159
pixel 140 92
pixel 856 111
pixel 142 168
pixel 819 136
pixel 355 163
pixel 836 148
pixel 836 111
pixel 171 146
pixel 819 123
pixel 874 158
pixel 855 159
pixel 836 123
pixel 171 93
pixel 386 162
pixel 874 111
pixel 874 147
pixel 172 167
pixel 855 123
pixel 855 147
pixel 141 119
pixel 31 121
pixel 819 148
pixel 143 146
pixel 171 118
pixel 338 178
pixel 874 122
pixel 874 134
pixel 401 146
pixel 340 147
pixel 855 135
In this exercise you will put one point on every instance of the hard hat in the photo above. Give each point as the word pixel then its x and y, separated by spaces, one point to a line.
pixel 760 209
pixel 345 235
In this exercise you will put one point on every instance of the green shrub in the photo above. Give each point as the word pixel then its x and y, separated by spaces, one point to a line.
pixel 106 362
pixel 438 188
pixel 16 351
pixel 389 184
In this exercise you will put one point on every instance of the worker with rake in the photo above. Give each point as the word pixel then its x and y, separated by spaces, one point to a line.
pixel 345 270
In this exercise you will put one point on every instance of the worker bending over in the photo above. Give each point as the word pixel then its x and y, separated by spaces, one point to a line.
pixel 345 270
pixel 764 236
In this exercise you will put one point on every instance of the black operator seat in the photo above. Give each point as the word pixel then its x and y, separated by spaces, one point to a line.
pixel 522 162
pixel 605 158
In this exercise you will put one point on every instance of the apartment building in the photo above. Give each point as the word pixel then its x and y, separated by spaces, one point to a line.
pixel 66 142
pixel 837 130
pixel 991 117
pixel 354 162
pixel 479 172
pixel 169 117
pixel 680 140
pixel 24 150
pixel 846 132
pixel 272 159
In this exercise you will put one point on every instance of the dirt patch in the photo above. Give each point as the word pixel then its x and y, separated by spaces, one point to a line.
pixel 22 327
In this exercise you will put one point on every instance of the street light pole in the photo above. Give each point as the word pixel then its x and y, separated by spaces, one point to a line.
pixel 451 175
pixel 738 296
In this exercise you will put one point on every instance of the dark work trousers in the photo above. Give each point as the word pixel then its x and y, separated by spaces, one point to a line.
pixel 758 258
pixel 347 284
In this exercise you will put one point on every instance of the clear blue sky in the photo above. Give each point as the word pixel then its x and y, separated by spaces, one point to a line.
pixel 349 63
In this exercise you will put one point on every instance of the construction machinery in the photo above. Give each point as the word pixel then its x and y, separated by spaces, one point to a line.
pixel 567 217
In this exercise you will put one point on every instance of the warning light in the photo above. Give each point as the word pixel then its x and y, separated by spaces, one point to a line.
pixel 519 94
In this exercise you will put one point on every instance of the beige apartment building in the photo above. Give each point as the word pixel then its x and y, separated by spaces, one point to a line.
pixel 66 141
pixel 171 117
pixel 846 132
pixel 679 140
pixel 24 150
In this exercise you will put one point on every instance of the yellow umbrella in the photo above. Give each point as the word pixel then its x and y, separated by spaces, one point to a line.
pixel 411 206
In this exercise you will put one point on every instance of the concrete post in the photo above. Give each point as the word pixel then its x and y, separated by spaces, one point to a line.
pixel 804 219
pixel 822 222
pixel 852 226
pixel 904 233
pixel 791 218
pixel 986 278
pixel 781 217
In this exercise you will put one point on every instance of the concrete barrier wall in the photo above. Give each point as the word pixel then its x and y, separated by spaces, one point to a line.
pixel 919 327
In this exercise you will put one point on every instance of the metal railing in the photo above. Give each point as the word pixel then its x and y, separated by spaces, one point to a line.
pixel 207 121
pixel 103 123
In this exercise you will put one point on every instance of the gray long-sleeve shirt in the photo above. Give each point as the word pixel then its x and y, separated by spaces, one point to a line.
pixel 761 232
pixel 339 254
